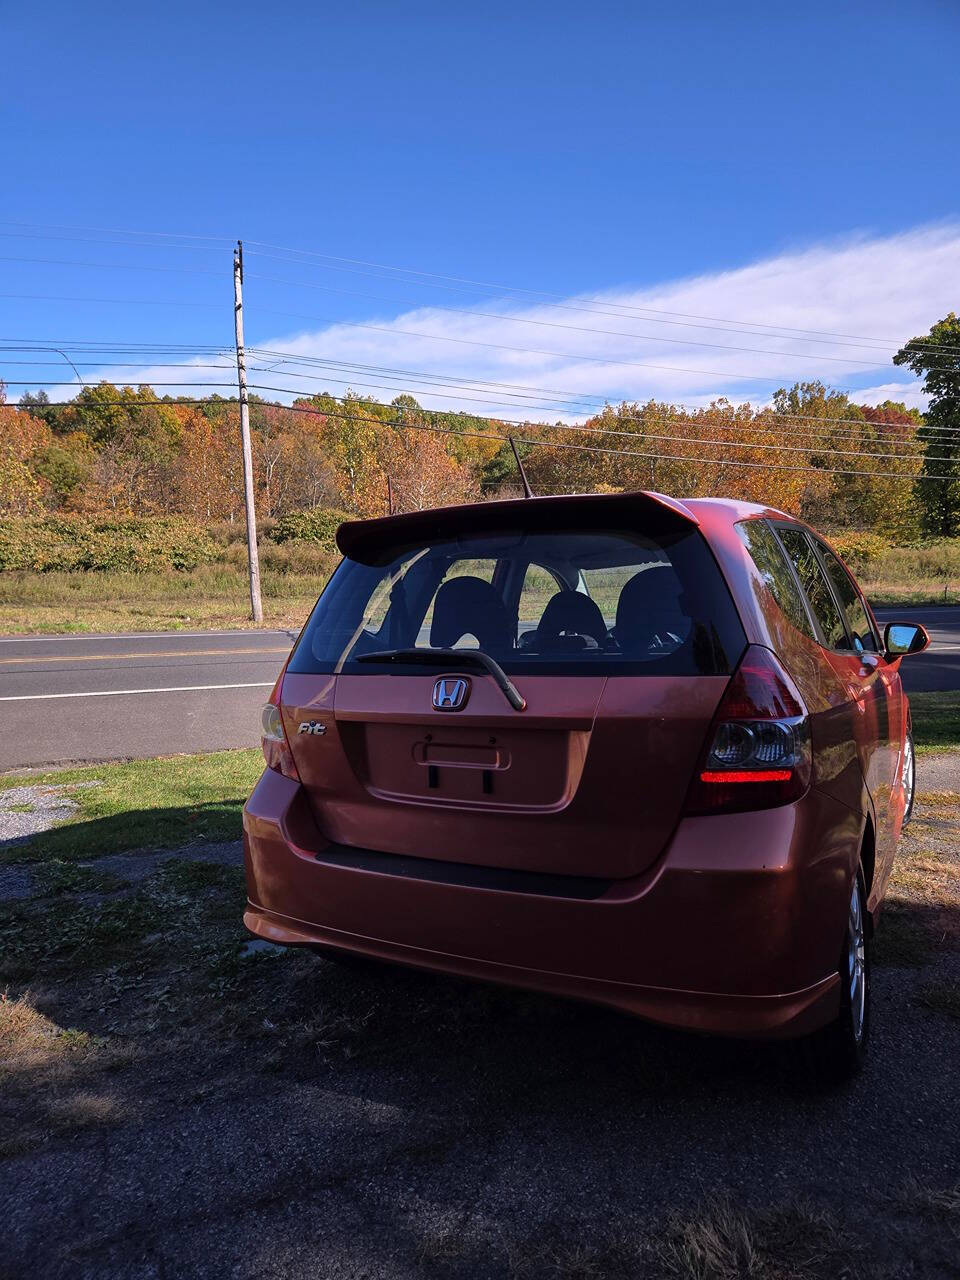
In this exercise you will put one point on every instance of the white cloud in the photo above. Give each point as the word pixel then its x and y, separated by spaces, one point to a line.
pixel 670 341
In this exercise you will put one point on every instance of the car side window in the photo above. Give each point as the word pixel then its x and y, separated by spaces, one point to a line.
pixel 858 624
pixel 816 588
pixel 771 562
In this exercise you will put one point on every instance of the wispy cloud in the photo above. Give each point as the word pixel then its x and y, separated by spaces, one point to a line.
pixel 834 311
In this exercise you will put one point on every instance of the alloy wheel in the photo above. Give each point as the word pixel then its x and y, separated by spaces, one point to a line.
pixel 857 964
pixel 909 775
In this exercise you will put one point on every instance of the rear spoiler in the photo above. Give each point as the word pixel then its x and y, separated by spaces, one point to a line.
pixel 379 540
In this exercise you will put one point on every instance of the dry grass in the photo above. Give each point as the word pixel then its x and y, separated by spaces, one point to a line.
pixel 29 1039
pixel 45 1077
pixel 796 1242
pixel 921 913
pixel 939 1203
pixel 211 597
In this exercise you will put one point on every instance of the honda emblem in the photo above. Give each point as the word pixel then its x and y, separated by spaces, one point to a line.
pixel 450 693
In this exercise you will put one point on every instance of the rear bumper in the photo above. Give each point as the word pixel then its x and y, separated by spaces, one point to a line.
pixel 736 930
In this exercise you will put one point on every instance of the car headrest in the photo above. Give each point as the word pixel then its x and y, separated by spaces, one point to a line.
pixel 648 600
pixel 572 611
pixel 470 607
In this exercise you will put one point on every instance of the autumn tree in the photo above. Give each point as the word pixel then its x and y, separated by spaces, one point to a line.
pixel 21 439
pixel 936 357
pixel 422 473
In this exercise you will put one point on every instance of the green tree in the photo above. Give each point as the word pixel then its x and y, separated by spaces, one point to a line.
pixel 937 357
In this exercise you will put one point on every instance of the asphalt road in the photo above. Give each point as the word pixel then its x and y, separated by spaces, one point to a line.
pixel 937 670
pixel 108 697
pixel 99 697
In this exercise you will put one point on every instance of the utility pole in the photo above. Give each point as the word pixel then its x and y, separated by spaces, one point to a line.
pixel 253 557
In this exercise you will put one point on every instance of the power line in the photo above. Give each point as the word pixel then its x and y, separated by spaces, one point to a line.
pixel 558 444
pixel 425 276
pixel 17 383
pixel 647 435
pixel 725 326
pixel 573 328
pixel 112 266
pixel 126 302
pixel 123 244
pixel 118 231
pixel 543 293
pixel 456 386
pixel 556 355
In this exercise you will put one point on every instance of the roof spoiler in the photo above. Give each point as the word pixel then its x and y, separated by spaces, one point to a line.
pixel 381 539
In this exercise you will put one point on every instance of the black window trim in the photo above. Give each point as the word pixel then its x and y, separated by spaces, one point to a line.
pixel 819 543
pixel 808 609
pixel 820 634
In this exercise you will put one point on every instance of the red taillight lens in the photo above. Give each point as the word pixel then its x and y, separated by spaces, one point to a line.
pixel 273 739
pixel 758 753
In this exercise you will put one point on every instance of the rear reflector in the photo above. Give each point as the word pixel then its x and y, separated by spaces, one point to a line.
pixel 746 775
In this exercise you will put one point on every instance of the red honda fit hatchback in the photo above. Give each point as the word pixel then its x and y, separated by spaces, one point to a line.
pixel 649 753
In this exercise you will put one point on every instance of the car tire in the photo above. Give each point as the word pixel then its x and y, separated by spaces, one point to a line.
pixel 909 776
pixel 835 1054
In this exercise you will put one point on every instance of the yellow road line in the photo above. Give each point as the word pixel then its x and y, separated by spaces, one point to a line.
pixel 30 659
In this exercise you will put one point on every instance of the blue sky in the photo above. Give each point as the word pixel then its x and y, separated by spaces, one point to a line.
pixel 614 150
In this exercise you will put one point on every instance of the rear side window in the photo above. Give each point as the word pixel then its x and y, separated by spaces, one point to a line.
pixel 858 624
pixel 768 555
pixel 804 559
pixel 564 602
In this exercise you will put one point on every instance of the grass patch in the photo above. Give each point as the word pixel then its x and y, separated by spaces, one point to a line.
pixel 920 919
pixel 162 803
pixel 182 902
pixel 936 720
pixel 212 596
pixel 727 1243
pixel 57 877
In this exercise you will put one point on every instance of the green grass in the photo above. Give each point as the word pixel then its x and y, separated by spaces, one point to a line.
pixel 163 803
pixel 210 597
pixel 936 721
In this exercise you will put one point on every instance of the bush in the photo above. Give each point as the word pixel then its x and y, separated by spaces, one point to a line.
pixel 317 525
pixel 69 543
pixel 861 551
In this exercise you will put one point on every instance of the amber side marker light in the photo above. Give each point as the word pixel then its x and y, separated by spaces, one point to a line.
pixel 759 744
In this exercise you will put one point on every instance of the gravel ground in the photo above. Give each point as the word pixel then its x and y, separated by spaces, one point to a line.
pixel 25 811
pixel 189 1107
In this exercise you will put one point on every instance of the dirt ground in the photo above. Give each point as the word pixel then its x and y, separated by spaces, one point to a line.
pixel 176 1102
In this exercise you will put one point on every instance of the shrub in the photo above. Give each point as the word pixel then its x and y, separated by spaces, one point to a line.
pixel 860 551
pixel 317 525
pixel 73 542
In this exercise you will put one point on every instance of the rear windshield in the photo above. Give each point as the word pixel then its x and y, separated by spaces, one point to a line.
pixel 564 602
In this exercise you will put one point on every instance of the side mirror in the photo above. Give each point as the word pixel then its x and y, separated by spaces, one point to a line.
pixel 901 638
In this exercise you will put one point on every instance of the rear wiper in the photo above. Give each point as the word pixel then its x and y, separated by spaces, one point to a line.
pixel 453 658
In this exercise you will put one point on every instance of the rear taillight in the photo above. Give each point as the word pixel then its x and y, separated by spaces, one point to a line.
pixel 273 738
pixel 758 753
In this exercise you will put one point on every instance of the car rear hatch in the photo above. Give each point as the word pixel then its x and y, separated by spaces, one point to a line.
pixel 608 620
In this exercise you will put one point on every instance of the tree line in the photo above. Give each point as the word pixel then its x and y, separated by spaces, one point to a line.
pixel 813 452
